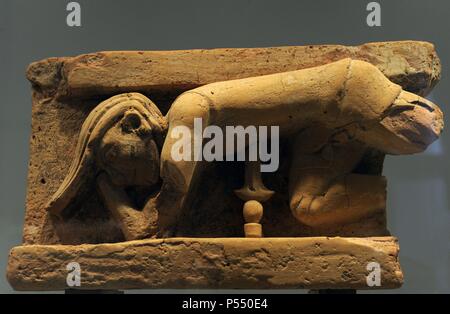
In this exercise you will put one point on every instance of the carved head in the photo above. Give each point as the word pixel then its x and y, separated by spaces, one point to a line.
pixel 408 126
pixel 128 152
pixel 123 137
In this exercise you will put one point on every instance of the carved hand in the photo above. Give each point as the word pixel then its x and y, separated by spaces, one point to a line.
pixel 135 224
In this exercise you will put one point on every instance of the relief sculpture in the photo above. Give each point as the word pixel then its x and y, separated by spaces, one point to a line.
pixel 337 115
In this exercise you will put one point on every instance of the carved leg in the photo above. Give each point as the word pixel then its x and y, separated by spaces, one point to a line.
pixel 348 199
pixel 180 177
pixel 323 189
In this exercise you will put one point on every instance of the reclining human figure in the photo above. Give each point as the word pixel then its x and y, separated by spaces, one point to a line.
pixel 334 113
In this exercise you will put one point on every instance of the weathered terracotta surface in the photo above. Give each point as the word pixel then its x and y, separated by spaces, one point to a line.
pixel 412 64
pixel 311 263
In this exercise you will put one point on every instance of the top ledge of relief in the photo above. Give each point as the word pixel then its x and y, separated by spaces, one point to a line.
pixel 412 64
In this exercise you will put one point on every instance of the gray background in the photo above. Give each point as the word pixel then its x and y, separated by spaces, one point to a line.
pixel 418 185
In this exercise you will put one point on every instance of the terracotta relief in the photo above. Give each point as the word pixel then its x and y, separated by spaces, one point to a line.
pixel 103 172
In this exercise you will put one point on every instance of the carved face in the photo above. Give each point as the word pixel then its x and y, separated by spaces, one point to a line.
pixel 128 152
pixel 409 126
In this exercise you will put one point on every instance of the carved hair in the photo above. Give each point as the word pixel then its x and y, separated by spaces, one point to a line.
pixel 98 122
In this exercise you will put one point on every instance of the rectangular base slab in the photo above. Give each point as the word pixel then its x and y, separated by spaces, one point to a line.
pixel 215 263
